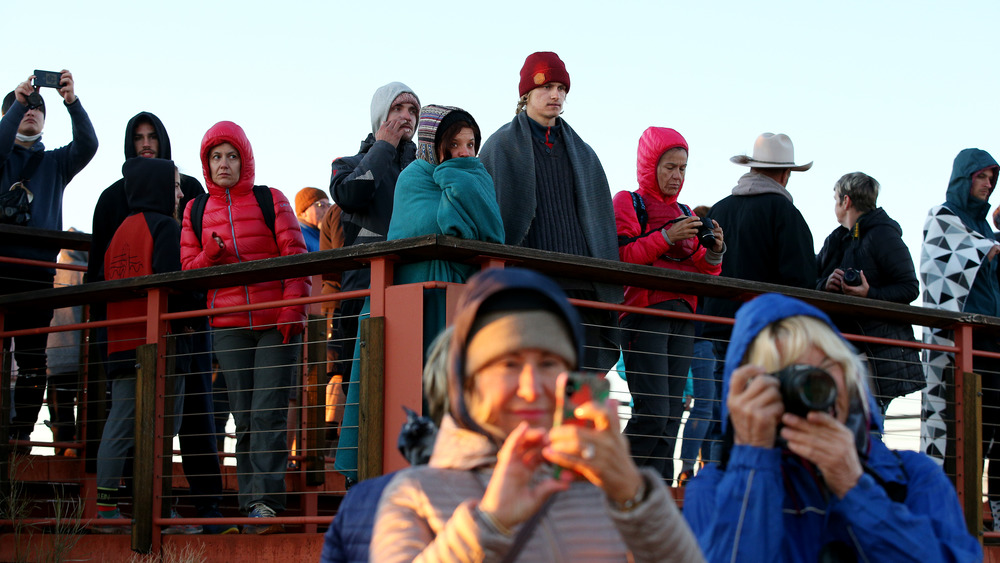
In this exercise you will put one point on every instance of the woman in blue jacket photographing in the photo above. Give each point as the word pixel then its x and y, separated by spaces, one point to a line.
pixel 802 476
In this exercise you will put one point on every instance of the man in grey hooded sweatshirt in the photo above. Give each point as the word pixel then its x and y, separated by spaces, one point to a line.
pixel 363 186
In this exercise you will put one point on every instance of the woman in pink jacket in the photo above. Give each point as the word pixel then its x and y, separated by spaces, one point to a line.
pixel 655 230
pixel 258 351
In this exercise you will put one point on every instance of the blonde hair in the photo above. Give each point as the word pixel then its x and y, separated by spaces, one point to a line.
pixel 781 343
pixel 435 378
pixel 522 103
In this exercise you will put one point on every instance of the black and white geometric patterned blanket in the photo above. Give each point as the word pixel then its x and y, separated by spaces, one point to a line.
pixel 949 260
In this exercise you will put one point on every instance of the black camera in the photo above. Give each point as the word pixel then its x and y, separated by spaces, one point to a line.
pixel 806 388
pixel 852 277
pixel 706 235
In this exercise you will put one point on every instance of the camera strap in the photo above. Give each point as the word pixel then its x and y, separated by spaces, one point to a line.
pixel 642 216
pixel 30 167
pixel 895 490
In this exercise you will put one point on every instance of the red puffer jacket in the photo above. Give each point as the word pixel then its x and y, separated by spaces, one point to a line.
pixel 651 248
pixel 236 217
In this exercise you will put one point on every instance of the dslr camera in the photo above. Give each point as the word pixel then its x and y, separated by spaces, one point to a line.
pixel 706 236
pixel 806 388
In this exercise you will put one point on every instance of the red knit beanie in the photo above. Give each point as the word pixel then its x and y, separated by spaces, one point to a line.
pixel 541 68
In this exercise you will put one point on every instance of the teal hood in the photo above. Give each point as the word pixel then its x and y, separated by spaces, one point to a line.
pixel 972 211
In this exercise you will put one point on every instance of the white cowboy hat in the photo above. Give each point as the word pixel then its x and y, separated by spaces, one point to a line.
pixel 771 151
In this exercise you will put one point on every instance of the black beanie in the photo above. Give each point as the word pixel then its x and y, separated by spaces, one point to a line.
pixel 9 101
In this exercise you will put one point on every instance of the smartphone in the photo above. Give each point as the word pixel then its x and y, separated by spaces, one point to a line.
pixel 572 390
pixel 47 79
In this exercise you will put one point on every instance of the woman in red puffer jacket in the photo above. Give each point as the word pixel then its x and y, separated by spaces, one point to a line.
pixel 258 351
pixel 657 349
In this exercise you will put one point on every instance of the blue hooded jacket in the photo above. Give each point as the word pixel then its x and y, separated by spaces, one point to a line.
pixel 768 504
pixel 984 295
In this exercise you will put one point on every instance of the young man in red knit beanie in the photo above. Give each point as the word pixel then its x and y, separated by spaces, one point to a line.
pixel 553 193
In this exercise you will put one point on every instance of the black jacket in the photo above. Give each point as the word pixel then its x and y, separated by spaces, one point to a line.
pixel 767 240
pixel 112 207
pixel 364 186
pixel 147 242
pixel 875 246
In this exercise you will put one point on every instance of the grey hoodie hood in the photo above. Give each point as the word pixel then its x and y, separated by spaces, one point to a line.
pixel 382 101
pixel 753 183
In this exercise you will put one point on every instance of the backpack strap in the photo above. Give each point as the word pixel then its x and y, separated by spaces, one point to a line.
pixel 641 215
pixel 640 211
pixel 197 211
pixel 31 166
pixel 265 200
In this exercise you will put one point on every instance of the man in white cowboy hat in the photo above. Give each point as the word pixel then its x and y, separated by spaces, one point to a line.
pixel 766 237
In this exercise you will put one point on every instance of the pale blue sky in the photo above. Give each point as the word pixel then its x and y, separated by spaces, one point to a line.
pixel 894 89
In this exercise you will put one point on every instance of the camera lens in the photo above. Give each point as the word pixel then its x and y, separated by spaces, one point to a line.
pixel 806 388
pixel 35 100
pixel 852 277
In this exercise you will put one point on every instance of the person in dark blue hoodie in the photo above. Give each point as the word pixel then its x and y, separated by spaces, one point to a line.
pixel 21 149
pixel 958 268
pixel 820 487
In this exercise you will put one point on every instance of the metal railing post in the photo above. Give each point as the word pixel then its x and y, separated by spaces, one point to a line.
pixel 5 405
pixel 152 468
pixel 968 432
pixel 371 427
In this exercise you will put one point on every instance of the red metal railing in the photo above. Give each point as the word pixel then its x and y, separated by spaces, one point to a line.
pixel 399 372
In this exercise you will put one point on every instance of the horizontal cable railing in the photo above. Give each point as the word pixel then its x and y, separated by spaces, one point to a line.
pixel 391 378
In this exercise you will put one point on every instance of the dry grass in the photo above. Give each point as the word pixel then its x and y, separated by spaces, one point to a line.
pixel 188 553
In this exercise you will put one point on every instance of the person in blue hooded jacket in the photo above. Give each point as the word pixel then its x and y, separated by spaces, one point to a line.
pixel 958 269
pixel 820 487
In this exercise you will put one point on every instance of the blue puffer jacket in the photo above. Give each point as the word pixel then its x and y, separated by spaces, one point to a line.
pixel 347 538
pixel 767 504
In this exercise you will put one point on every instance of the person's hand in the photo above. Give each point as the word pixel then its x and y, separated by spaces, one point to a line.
pixel 755 406
pixel 993 252
pixel 835 281
pixel 681 230
pixel 828 444
pixel 511 497
pixel 857 290
pixel 66 87
pixel 24 90
pixel 688 400
pixel 289 331
pixel 719 239
pixel 218 250
pixel 600 454
pixel 291 322
pixel 392 131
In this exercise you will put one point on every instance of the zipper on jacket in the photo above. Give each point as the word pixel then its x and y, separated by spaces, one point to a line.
pixel 232 231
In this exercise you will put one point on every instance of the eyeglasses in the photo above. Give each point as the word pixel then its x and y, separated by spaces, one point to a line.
pixel 322 203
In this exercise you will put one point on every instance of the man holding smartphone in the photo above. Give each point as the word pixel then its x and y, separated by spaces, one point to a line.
pixel 46 173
